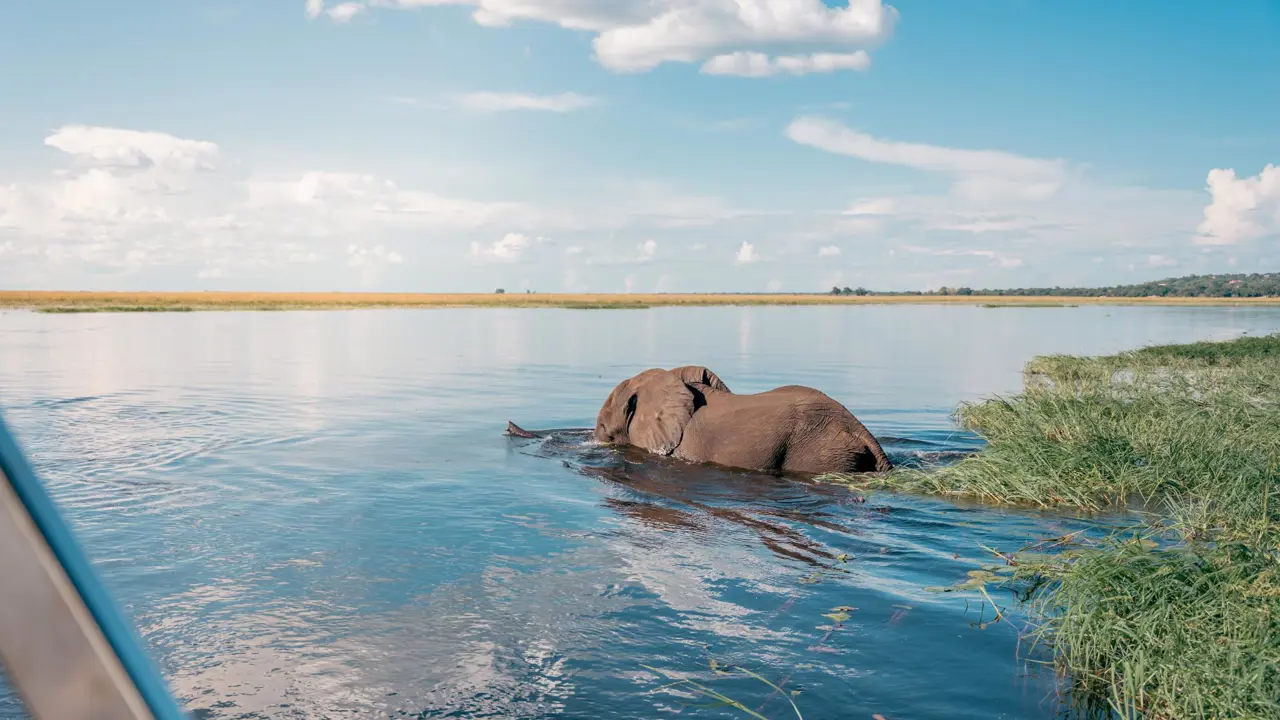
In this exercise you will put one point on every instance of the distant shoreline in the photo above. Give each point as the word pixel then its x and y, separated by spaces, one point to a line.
pixel 92 301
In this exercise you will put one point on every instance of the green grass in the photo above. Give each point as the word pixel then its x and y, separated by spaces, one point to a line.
pixel 1188 627
pixel 1185 632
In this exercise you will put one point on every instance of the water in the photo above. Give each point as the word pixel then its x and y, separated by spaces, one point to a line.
pixel 317 514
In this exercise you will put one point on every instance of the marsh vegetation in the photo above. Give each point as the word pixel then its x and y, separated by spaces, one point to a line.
pixel 79 302
pixel 1177 616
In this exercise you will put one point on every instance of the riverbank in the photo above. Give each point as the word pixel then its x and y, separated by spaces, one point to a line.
pixel 72 302
pixel 1178 616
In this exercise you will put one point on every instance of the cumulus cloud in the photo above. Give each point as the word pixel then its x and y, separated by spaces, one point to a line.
pixel 113 147
pixel 689 30
pixel 510 248
pixel 127 200
pixel 759 65
pixel 503 102
pixel 829 251
pixel 638 35
pixel 1241 209
pixel 1156 261
pixel 977 174
pixel 746 254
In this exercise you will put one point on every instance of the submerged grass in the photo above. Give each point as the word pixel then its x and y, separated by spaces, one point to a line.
pixel 1178 617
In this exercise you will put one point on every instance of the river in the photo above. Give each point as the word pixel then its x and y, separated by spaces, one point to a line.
pixel 316 514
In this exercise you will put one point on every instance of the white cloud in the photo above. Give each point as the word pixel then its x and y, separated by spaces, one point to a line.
pixel 1241 208
pixel 979 223
pixel 1004 261
pixel 690 30
pixel 359 256
pixel 872 206
pixel 371 262
pixel 502 102
pixel 698 247
pixel 759 65
pixel 573 250
pixel 829 251
pixel 976 174
pixel 129 200
pixel 645 252
pixel 132 202
pixel 344 12
pixel 332 202
pixel 638 35
pixel 509 249
pixel 1001 259
pixel 314 8
pixel 746 253
pixel 116 148
pixel 1156 261
pixel 774 286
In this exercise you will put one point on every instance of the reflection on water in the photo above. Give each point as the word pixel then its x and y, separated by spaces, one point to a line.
pixel 317 514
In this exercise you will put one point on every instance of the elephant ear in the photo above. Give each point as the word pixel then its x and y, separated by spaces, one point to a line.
pixel 696 374
pixel 662 406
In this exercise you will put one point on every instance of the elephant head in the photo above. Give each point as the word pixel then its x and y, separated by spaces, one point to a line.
pixel 651 409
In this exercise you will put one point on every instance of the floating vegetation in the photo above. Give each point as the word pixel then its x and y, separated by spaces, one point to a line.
pixel 721 699
pixel 1177 616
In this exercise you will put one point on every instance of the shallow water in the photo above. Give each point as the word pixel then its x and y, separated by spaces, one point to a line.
pixel 317 514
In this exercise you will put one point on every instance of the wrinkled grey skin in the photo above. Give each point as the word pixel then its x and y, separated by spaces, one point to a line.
pixel 690 414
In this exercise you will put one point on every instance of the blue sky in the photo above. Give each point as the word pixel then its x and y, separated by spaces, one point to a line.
pixel 642 145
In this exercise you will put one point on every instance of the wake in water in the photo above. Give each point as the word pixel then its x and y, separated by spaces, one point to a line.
pixel 903 452
pixel 671 494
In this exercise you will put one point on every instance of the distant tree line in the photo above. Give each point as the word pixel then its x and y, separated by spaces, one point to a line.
pixel 1235 285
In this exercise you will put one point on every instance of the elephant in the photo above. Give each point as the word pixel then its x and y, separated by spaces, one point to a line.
pixel 690 414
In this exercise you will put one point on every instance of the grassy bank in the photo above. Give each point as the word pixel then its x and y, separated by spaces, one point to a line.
pixel 58 301
pixel 1179 616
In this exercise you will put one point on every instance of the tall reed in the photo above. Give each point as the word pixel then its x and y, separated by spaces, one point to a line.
pixel 1178 617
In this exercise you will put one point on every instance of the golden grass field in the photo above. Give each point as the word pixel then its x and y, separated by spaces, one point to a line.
pixel 70 301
